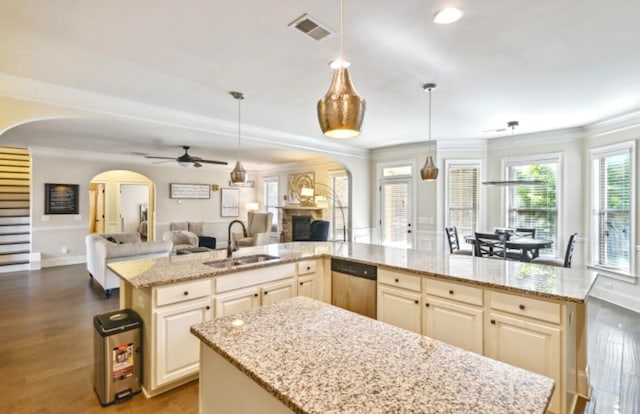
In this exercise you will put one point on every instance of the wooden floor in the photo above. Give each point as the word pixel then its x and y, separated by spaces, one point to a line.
pixel 46 350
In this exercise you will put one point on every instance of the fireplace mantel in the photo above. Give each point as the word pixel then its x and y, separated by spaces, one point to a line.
pixel 291 210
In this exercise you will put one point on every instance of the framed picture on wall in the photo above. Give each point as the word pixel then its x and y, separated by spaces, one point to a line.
pixel 61 199
pixel 229 202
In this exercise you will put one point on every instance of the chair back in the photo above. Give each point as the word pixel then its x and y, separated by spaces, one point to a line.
pixel 319 230
pixel 258 222
pixel 490 244
pixel 526 232
pixel 569 253
pixel 452 238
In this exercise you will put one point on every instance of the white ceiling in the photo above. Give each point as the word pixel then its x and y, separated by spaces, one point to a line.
pixel 548 64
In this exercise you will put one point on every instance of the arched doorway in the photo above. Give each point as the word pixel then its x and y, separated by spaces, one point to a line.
pixel 122 201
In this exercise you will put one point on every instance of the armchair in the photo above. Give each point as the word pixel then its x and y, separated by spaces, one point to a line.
pixel 181 239
pixel 258 230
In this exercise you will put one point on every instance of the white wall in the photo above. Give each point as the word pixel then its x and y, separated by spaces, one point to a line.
pixel 132 196
pixel 60 238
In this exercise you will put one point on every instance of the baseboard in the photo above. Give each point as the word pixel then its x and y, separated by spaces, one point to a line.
pixel 624 301
pixel 63 261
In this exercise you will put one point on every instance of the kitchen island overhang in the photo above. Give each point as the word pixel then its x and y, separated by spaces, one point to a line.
pixel 312 357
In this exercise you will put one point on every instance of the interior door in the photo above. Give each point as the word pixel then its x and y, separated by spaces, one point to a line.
pixel 396 199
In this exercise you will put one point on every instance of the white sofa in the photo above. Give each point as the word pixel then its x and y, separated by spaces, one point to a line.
pixel 127 246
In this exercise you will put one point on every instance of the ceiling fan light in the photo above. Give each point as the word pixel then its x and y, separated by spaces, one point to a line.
pixel 185 164
pixel 341 110
pixel 239 174
pixel 429 172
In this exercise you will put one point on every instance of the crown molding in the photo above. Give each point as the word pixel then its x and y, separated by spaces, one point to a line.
pixel 538 138
pixel 614 124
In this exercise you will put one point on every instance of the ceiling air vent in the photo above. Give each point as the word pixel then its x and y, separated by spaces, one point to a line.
pixel 311 27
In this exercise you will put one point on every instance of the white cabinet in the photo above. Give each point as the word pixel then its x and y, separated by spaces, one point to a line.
pixel 310 278
pixel 170 352
pixel 452 313
pixel 399 307
pixel 180 349
pixel 530 343
pixel 237 301
pixel 454 323
pixel 307 286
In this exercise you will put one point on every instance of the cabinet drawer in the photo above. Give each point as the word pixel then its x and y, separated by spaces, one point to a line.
pixel 401 280
pixel 166 295
pixel 306 267
pixel 455 291
pixel 520 305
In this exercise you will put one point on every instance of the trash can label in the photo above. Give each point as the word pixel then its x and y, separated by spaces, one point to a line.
pixel 122 362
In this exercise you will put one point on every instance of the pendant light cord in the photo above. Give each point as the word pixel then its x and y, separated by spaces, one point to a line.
pixel 341 32
pixel 429 121
pixel 239 135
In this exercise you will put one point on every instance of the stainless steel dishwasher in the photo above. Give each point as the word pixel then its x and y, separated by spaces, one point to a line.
pixel 353 287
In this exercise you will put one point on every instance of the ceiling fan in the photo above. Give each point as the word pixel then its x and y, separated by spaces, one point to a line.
pixel 187 160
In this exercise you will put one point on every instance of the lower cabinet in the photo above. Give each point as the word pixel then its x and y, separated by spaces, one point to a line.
pixel 237 301
pixel 307 286
pixel 180 349
pixel 275 292
pixel 399 307
pixel 454 323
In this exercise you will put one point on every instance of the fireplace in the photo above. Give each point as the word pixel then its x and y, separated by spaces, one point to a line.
pixel 290 211
pixel 300 227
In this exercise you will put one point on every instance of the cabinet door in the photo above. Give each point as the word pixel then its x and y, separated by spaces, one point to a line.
pixel 307 286
pixel 177 351
pixel 237 301
pixel 453 323
pixel 399 307
pixel 528 345
pixel 276 292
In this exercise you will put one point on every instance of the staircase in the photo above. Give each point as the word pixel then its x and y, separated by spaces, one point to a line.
pixel 15 220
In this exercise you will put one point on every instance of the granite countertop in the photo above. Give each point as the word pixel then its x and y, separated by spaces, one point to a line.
pixel 546 281
pixel 317 358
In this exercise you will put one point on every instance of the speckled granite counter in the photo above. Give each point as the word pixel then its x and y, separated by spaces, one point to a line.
pixel 546 281
pixel 316 358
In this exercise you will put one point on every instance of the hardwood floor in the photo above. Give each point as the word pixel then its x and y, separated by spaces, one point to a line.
pixel 46 350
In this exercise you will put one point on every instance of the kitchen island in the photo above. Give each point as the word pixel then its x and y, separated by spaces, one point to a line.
pixel 527 315
pixel 305 356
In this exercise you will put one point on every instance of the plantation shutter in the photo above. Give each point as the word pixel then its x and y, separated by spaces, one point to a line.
pixel 463 198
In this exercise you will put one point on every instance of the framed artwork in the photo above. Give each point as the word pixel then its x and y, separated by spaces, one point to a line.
pixel 202 191
pixel 296 183
pixel 229 202
pixel 61 199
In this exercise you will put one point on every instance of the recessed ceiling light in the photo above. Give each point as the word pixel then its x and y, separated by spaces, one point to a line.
pixel 448 15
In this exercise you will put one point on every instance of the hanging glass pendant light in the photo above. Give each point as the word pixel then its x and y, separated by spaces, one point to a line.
pixel 429 172
pixel 239 174
pixel 341 110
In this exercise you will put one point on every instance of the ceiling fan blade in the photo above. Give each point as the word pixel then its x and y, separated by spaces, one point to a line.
pixel 495 130
pixel 162 162
pixel 160 158
pixel 214 162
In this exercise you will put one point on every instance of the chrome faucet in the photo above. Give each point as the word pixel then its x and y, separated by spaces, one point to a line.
pixel 230 250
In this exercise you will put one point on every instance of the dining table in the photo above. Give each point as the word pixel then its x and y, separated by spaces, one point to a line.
pixel 529 248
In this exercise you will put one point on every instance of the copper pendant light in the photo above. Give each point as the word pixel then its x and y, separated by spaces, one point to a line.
pixel 341 110
pixel 239 174
pixel 429 172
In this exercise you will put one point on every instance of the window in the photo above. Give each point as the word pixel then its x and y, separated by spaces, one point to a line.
pixel 462 195
pixel 271 200
pixel 339 205
pixel 611 207
pixel 535 206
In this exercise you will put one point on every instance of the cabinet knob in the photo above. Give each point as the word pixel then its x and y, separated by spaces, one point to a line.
pixel 397 280
pixel 255 294
pixel 416 301
pixel 493 321
pixel 427 305
pixel 301 283
pixel 521 307
pixel 265 292
pixel 451 292
pixel 308 267
pixel 186 293
pixel 207 307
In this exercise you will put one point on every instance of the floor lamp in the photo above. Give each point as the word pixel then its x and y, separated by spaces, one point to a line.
pixel 336 199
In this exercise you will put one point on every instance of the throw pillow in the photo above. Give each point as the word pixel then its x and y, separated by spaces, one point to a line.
pixel 182 225
pixel 112 240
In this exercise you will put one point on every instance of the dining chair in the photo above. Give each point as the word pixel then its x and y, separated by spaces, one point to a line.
pixel 454 242
pixel 568 254
pixel 525 232
pixel 490 245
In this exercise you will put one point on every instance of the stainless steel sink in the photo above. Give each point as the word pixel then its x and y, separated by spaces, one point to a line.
pixel 239 261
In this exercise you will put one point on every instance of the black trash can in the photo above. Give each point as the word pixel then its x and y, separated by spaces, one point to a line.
pixel 117 356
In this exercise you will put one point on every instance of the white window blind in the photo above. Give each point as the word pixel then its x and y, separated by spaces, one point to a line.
pixel 535 206
pixel 339 205
pixel 462 198
pixel 611 199
pixel 271 200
